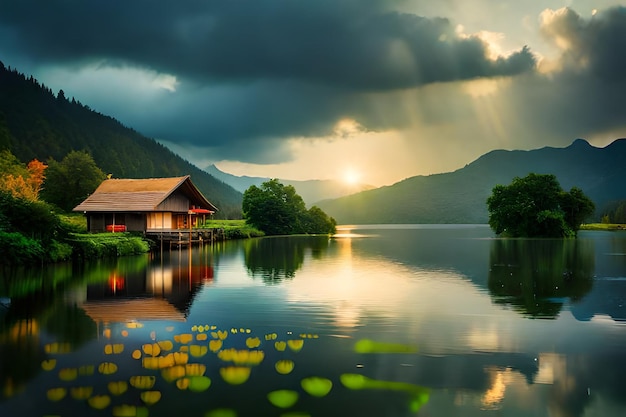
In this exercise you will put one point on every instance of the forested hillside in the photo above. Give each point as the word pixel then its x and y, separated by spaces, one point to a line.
pixel 36 123
pixel 460 196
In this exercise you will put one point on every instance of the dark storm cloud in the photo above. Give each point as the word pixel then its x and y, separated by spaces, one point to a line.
pixel 595 46
pixel 349 44
pixel 586 94
pixel 285 68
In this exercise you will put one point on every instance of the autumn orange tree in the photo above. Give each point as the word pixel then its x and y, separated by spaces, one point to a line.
pixel 29 228
pixel 19 180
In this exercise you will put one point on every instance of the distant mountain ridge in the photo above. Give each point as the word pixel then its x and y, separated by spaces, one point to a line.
pixel 460 196
pixel 311 191
pixel 34 123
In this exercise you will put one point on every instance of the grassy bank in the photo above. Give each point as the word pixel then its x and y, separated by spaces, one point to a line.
pixel 103 245
pixel 234 229
pixel 603 226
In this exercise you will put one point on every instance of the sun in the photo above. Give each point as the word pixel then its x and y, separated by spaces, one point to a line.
pixel 351 176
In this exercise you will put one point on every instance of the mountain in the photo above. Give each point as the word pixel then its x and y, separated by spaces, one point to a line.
pixel 460 196
pixel 34 123
pixel 311 191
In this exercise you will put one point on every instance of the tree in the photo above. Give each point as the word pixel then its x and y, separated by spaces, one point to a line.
pixel 319 222
pixel 19 180
pixel 277 209
pixel 537 206
pixel 70 181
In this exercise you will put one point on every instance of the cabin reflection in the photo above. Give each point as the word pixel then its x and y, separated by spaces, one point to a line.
pixel 163 289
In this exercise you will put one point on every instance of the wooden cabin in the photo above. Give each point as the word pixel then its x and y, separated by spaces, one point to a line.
pixel 145 205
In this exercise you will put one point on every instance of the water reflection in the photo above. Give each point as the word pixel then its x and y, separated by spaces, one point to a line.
pixel 277 258
pixel 212 339
pixel 536 276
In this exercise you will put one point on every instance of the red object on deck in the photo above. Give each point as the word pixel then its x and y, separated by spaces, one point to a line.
pixel 116 228
pixel 200 211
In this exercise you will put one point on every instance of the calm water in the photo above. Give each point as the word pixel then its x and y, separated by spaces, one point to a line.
pixel 377 321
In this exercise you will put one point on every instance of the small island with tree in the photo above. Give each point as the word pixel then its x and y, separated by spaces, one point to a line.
pixel 537 206
pixel 276 209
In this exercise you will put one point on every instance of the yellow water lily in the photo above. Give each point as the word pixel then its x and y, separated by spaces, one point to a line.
pixel 180 358
pixel 280 346
pixel 150 397
pixel 201 337
pixel 166 345
pixel 284 366
pixel 56 394
pixel 283 398
pixel 81 393
pixel 235 375
pixel 150 362
pixel 222 334
pixel 49 364
pixel 253 342
pixel 183 338
pixel 99 402
pixel 117 387
pixel 142 381
pixel 173 373
pixel 215 345
pixel 110 349
pixel 68 374
pixel 198 351
pixel 271 336
pixel 152 349
pixel 241 357
pixel 295 344
pixel 107 368
pixel 182 384
pixel 195 369
pixel 136 354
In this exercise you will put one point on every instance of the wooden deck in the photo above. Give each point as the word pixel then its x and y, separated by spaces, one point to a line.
pixel 181 237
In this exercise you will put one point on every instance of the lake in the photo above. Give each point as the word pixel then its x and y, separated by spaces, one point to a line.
pixel 405 320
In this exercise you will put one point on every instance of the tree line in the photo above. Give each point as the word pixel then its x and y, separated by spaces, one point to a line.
pixel 277 209
pixel 36 123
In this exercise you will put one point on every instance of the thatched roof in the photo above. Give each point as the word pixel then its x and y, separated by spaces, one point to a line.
pixel 139 195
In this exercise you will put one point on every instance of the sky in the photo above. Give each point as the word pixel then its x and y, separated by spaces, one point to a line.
pixel 373 91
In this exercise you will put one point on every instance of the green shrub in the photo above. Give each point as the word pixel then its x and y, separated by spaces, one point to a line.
pixel 58 251
pixel 16 248
pixel 93 246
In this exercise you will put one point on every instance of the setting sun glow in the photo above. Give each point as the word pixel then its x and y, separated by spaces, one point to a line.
pixel 351 177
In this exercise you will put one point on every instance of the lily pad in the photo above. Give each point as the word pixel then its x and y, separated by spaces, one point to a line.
pixel 283 398
pixel 317 386
pixel 199 383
